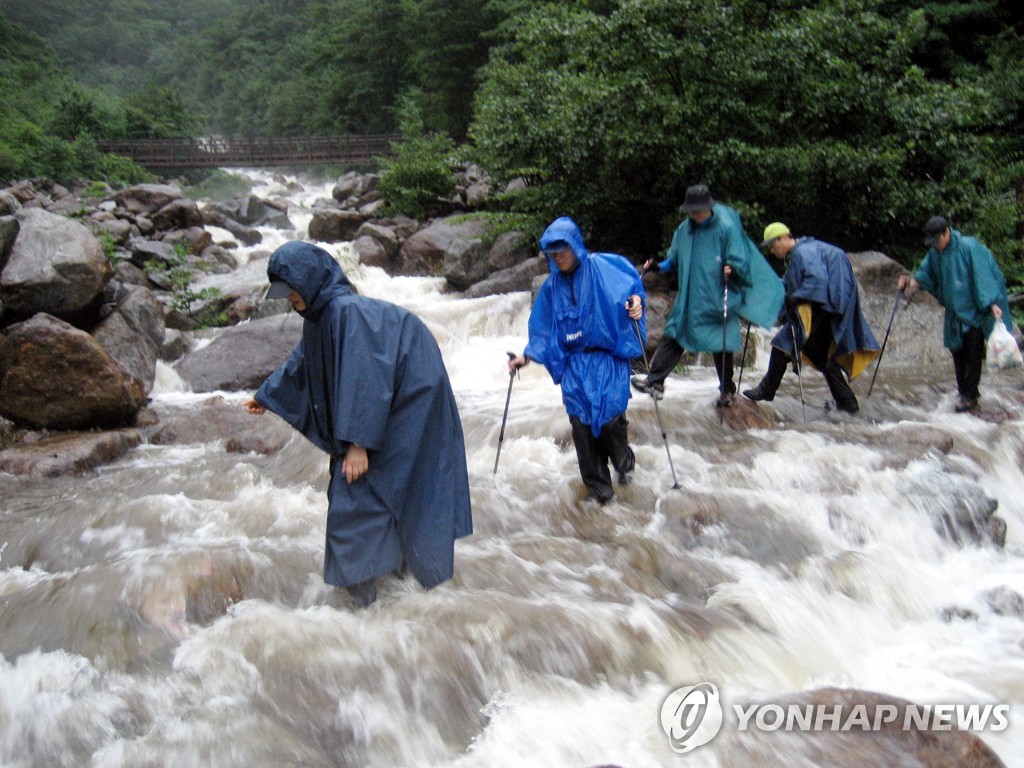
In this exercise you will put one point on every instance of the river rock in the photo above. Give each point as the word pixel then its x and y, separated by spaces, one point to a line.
pixel 421 253
pixel 330 225
pixel 56 265
pixel 885 747
pixel 242 356
pixel 134 333
pixel 511 280
pixel 465 263
pixel 219 420
pixel 68 454
pixel 214 216
pixel 56 376
pixel 8 234
pixel 147 199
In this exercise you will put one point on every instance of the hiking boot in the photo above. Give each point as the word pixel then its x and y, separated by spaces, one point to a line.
pixel 625 478
pixel 592 498
pixel 363 594
pixel 758 394
pixel 965 404
pixel 725 400
pixel 643 384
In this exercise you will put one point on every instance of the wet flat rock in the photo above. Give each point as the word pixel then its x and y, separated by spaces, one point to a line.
pixel 68 454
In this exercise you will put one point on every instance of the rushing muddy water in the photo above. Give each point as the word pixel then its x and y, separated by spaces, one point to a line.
pixel 168 609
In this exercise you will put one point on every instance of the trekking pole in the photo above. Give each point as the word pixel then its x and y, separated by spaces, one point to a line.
pixel 797 360
pixel 721 373
pixel 743 359
pixel 885 341
pixel 508 397
pixel 654 397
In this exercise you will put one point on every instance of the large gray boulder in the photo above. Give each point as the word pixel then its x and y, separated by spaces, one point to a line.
pixel 55 376
pixel 331 225
pixel 511 280
pixel 421 253
pixel 242 356
pixel 56 265
pixel 146 199
pixel 465 263
pixel 134 333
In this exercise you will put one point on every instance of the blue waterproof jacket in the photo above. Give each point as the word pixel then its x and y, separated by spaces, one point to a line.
pixel 581 332
pixel 369 372
pixel 967 282
pixel 698 254
pixel 821 273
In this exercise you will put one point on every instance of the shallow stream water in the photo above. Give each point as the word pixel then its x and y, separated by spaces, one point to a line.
pixel 168 609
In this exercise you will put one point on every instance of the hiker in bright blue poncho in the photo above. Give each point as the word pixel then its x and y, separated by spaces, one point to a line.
pixel 710 252
pixel 963 275
pixel 585 327
pixel 823 316
pixel 367 385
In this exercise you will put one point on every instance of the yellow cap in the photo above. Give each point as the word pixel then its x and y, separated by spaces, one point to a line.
pixel 773 230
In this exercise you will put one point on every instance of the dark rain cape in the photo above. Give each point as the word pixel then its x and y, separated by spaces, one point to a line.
pixel 698 254
pixel 580 331
pixel 967 282
pixel 369 372
pixel 821 273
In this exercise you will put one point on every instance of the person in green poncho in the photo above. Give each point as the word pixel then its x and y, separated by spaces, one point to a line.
pixel 963 275
pixel 721 277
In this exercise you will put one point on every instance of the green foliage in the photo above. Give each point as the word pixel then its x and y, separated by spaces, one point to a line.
pixel 809 112
pixel 179 274
pixel 420 173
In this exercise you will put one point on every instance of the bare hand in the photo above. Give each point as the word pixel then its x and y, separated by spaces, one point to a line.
pixel 727 271
pixel 517 362
pixel 356 462
pixel 905 281
pixel 254 406
pixel 635 307
pixel 997 312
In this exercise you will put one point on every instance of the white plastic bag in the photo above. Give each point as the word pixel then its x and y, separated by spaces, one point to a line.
pixel 1002 349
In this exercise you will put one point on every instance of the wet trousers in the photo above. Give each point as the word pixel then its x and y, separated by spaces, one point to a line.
pixel 816 349
pixel 669 353
pixel 967 363
pixel 594 453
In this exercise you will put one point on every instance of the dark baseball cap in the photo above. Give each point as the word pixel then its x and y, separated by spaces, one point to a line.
pixel 934 228
pixel 279 289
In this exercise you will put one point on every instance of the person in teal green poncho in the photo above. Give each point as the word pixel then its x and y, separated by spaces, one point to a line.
pixel 963 275
pixel 721 277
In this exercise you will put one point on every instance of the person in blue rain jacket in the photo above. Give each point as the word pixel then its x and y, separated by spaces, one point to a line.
pixel 367 384
pixel 963 275
pixel 586 324
pixel 822 315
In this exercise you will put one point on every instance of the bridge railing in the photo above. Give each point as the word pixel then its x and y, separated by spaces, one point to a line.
pixel 219 151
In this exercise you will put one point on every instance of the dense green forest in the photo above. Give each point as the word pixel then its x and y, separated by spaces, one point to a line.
pixel 850 119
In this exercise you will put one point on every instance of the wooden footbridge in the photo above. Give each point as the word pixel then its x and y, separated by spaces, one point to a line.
pixel 220 152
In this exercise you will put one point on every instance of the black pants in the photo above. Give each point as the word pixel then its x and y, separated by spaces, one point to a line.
pixel 967 363
pixel 669 353
pixel 594 453
pixel 816 349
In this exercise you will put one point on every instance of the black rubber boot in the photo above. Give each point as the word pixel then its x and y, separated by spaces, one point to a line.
pixel 363 594
pixel 769 385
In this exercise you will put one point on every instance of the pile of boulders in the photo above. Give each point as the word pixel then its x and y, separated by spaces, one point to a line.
pixel 94 289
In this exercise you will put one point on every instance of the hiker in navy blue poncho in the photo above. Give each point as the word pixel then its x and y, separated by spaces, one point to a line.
pixel 585 327
pixel 367 385
pixel 823 317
